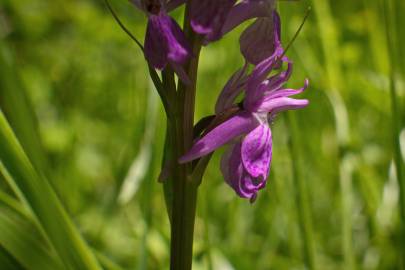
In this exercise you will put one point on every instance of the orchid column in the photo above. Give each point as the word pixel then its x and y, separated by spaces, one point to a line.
pixel 244 126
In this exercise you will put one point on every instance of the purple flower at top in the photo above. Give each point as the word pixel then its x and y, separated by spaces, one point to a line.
pixel 165 42
pixel 215 18
pixel 246 164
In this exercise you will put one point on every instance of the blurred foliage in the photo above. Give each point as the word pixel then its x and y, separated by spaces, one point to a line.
pixel 77 93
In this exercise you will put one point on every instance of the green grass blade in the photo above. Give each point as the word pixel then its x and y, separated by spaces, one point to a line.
pixel 18 109
pixel 36 191
pixel 328 32
pixel 390 26
pixel 303 202
pixel 7 261
pixel 106 262
pixel 21 239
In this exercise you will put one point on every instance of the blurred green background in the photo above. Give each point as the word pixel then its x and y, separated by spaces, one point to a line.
pixel 76 91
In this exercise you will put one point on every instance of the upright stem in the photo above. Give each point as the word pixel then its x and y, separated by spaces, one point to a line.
pixel 184 190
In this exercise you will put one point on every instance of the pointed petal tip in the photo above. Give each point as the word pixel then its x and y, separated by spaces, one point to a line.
pixel 253 198
pixel 184 159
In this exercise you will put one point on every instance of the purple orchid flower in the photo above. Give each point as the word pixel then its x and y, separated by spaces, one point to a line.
pixel 165 42
pixel 215 18
pixel 246 164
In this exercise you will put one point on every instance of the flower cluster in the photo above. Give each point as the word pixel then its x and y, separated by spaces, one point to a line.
pixel 246 164
pixel 165 43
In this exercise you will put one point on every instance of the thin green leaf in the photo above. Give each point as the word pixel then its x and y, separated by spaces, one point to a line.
pixel 7 261
pixel 302 196
pixel 18 109
pixel 20 238
pixel 38 194
pixel 389 19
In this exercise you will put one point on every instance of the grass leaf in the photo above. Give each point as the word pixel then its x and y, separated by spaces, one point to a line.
pixel 38 194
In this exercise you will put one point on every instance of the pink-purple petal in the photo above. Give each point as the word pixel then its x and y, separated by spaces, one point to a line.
pixel 208 17
pixel 232 89
pixel 232 167
pixel 288 92
pixel 156 45
pixel 179 49
pixel 262 70
pixel 278 80
pixel 245 10
pixel 237 125
pixel 280 104
pixel 234 173
pixel 257 41
pixel 165 41
pixel 257 150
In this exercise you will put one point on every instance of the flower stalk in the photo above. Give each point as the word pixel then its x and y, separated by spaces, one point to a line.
pixel 184 191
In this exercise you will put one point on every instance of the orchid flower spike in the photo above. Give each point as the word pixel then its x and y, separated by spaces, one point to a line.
pixel 165 42
pixel 246 164
pixel 215 18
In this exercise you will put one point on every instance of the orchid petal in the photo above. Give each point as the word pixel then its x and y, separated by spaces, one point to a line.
pixel 165 41
pixel 288 92
pixel 257 150
pixel 235 126
pixel 280 104
pixel 277 28
pixel 232 89
pixel 276 81
pixel 247 9
pixel 262 70
pixel 179 49
pixel 249 186
pixel 208 17
pixel 257 41
pixel 234 173
pixel 226 167
pixel 256 94
pixel 156 42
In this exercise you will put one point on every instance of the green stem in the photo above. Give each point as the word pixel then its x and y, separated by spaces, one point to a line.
pixel 184 190
pixel 302 196
pixel 395 112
